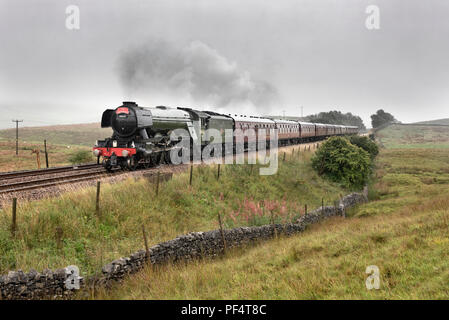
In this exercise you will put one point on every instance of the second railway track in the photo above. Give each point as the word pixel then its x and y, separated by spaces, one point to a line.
pixel 28 173
pixel 20 181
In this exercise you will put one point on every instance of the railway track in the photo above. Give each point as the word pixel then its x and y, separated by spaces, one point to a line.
pixel 38 172
pixel 19 181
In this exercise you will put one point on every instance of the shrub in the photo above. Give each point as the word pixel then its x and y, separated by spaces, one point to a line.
pixel 81 156
pixel 366 144
pixel 343 162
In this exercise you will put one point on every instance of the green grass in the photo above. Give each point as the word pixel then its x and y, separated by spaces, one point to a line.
pixel 414 137
pixel 91 241
pixel 403 230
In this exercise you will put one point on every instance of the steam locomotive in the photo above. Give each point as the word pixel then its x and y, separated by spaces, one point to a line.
pixel 141 135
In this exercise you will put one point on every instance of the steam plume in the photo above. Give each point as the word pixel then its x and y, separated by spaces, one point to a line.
pixel 196 74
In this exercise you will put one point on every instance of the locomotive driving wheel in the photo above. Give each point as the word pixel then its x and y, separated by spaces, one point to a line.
pixel 131 163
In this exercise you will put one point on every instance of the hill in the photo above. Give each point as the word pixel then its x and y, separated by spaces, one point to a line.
pixel 68 135
pixel 414 136
pixel 437 122
pixel 62 142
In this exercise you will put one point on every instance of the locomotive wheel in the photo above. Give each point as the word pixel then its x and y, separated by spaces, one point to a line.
pixel 107 165
pixel 131 163
pixel 147 163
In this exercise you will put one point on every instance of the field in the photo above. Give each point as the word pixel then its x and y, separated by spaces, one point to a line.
pixel 90 241
pixel 62 142
pixel 414 137
pixel 403 231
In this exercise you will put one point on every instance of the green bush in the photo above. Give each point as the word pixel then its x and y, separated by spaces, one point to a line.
pixel 366 144
pixel 81 156
pixel 343 162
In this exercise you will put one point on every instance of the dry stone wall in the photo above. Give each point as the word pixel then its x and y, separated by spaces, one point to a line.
pixel 195 245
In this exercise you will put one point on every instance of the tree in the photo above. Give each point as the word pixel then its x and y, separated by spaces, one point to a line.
pixel 337 117
pixel 381 118
pixel 366 144
pixel 343 162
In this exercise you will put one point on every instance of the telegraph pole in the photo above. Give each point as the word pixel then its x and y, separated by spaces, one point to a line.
pixel 17 135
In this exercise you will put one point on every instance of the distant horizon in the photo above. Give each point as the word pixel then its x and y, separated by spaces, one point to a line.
pixel 368 126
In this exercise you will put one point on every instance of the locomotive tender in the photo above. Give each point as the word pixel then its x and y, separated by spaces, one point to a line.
pixel 141 135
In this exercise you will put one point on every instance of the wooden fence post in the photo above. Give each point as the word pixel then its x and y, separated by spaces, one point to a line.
pixel 14 221
pixel 157 182
pixel 97 201
pixel 46 153
pixel 59 234
pixel 191 174
pixel 222 233
pixel 218 172
pixel 283 160
pixel 147 250
pixel 274 226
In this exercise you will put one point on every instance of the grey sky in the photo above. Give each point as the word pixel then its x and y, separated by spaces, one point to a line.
pixel 317 54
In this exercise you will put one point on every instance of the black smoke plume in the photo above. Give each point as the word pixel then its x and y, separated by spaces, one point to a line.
pixel 195 74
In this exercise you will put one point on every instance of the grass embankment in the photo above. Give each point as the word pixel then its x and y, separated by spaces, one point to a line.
pixel 90 242
pixel 62 142
pixel 403 231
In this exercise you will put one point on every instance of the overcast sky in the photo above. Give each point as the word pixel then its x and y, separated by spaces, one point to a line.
pixel 227 55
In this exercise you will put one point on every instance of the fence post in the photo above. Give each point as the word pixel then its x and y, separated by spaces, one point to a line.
pixel 218 172
pixel 147 250
pixel 191 173
pixel 274 226
pixel 157 182
pixel 14 222
pixel 97 201
pixel 46 153
pixel 222 233
pixel 59 234
pixel 283 160
pixel 305 210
